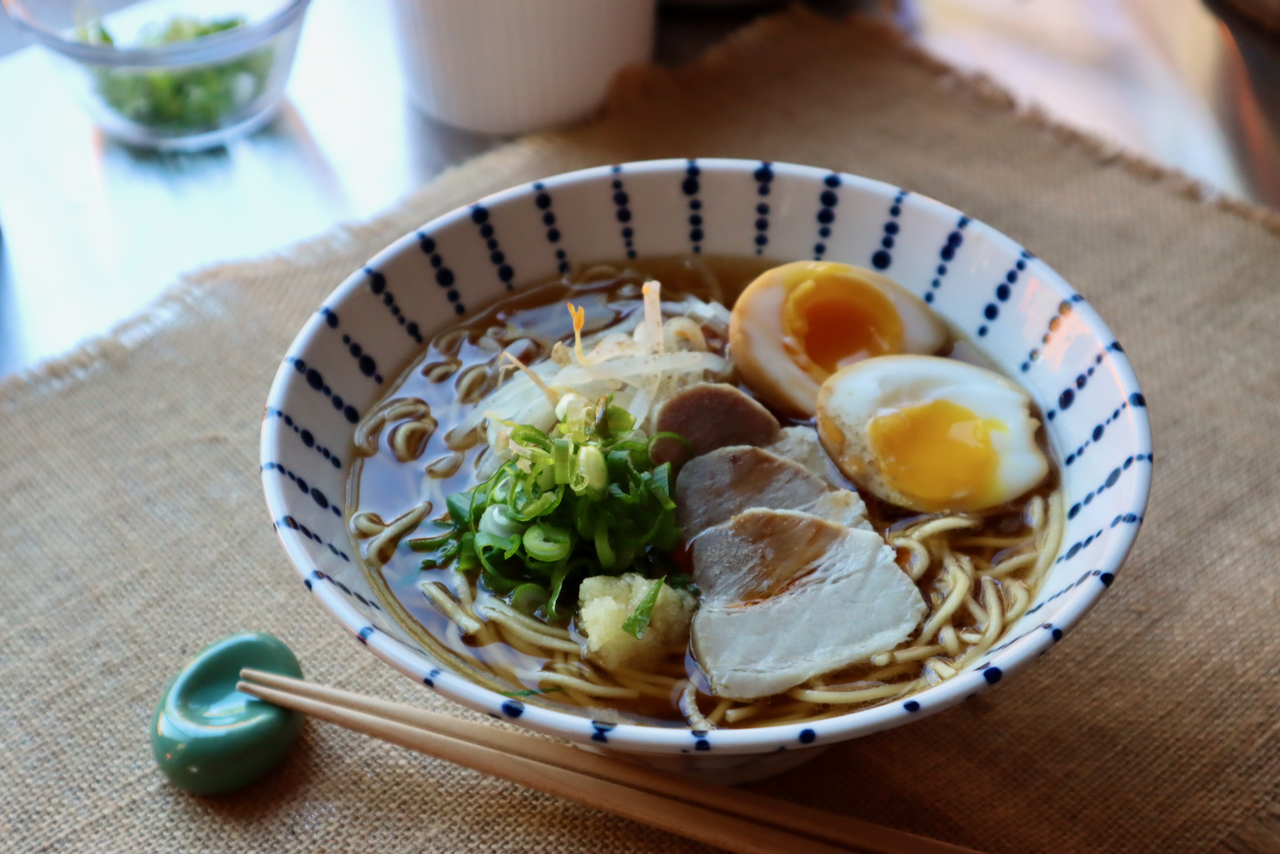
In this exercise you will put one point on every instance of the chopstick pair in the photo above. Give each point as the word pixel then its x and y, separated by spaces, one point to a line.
pixel 727 818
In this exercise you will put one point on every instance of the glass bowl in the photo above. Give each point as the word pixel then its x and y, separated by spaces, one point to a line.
pixel 171 74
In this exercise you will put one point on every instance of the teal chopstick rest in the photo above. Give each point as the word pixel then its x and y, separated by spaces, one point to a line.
pixel 209 738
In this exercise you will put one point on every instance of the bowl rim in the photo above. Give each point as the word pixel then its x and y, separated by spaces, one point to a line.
pixel 1010 657
pixel 206 49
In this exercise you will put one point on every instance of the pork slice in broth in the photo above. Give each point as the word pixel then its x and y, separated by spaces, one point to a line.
pixel 787 596
pixel 800 445
pixel 715 487
pixel 711 416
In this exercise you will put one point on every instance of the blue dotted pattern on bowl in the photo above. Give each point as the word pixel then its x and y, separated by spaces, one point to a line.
pixel 1027 319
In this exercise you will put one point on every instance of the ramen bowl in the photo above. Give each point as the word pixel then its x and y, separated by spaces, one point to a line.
pixel 1005 300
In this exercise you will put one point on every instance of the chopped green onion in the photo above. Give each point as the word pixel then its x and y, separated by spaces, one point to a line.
pixel 528 598
pixel 611 420
pixel 184 98
pixel 542 506
pixel 459 504
pixel 546 478
pixel 638 622
pixel 468 560
pixel 583 499
pixel 491 551
pixel 496 582
pixel 637 451
pixel 527 434
pixel 557 584
pixel 592 470
pixel 668 434
pixel 443 556
pixel 601 420
pixel 498 521
pixel 604 552
pixel 618 493
pixel 562 459
pixel 430 544
pixel 660 484
pixel 493 542
pixel 546 542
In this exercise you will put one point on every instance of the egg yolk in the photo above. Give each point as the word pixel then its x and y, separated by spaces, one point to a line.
pixel 938 453
pixel 831 320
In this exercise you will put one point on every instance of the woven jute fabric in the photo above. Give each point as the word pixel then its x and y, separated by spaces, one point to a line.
pixel 134 531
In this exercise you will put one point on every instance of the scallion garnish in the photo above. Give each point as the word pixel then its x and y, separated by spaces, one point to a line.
pixel 636 624
pixel 185 98
pixel 584 500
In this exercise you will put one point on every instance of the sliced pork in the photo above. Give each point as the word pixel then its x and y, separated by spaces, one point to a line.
pixel 711 416
pixel 715 487
pixel 800 445
pixel 787 596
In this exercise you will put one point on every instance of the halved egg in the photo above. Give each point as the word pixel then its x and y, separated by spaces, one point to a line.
pixel 931 434
pixel 797 324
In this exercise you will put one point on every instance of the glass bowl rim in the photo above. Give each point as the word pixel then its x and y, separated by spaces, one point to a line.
pixel 211 48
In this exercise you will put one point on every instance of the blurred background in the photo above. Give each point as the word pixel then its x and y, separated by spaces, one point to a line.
pixel 92 229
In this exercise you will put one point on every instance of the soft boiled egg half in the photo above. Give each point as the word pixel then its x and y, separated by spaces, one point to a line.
pixel 931 434
pixel 798 324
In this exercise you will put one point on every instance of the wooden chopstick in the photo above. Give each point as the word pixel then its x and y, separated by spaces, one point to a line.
pixel 694 822
pixel 718 815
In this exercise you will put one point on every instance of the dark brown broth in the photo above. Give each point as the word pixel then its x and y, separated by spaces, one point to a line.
pixel 383 485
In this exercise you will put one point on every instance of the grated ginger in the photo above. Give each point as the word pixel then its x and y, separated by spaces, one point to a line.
pixel 605 602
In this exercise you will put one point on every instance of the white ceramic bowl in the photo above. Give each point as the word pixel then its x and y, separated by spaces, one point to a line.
pixel 1014 307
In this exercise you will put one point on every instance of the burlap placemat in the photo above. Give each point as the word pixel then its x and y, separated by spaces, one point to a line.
pixel 134 530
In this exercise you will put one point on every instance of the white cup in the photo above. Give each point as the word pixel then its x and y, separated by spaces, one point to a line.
pixel 511 66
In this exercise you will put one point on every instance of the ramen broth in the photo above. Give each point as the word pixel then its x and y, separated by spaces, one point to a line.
pixel 463 364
